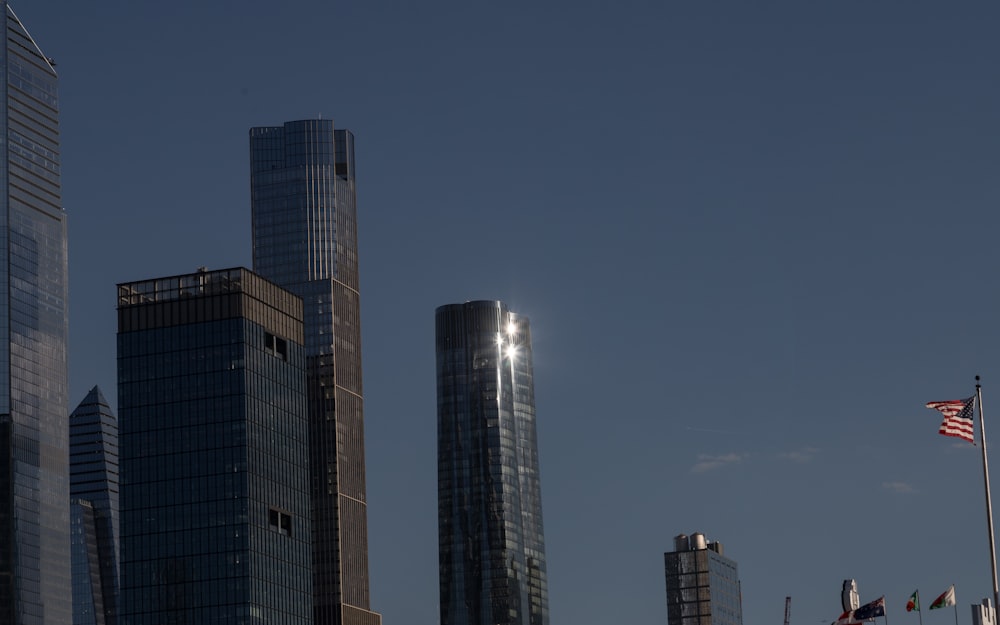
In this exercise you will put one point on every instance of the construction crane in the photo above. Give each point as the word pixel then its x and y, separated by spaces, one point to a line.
pixel 788 609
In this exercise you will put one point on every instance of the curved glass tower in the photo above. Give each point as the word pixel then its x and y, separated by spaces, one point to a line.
pixel 491 549
pixel 35 574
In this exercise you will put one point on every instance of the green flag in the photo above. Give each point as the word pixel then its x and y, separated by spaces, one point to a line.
pixel 946 598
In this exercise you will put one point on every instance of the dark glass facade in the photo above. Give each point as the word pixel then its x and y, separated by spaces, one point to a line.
pixel 491 547
pixel 93 474
pixel 35 574
pixel 213 426
pixel 703 586
pixel 305 239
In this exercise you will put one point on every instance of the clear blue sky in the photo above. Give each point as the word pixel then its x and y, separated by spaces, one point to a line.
pixel 753 239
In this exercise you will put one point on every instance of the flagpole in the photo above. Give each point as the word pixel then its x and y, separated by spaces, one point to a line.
pixel 920 614
pixel 989 503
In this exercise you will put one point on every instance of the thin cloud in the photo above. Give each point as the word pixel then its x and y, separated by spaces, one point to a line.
pixel 899 487
pixel 707 462
pixel 800 455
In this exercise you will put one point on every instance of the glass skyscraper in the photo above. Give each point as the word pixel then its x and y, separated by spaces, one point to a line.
pixel 305 239
pixel 213 426
pixel 35 574
pixel 93 476
pixel 703 585
pixel 491 549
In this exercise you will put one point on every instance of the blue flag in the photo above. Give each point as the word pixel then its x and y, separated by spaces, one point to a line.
pixel 871 610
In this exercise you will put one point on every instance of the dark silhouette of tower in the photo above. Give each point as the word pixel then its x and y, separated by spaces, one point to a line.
pixel 93 488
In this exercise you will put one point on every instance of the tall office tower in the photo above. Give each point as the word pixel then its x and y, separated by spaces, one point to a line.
pixel 491 549
pixel 213 426
pixel 305 240
pixel 93 489
pixel 34 436
pixel 703 587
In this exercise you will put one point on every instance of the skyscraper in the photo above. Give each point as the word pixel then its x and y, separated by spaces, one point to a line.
pixel 305 239
pixel 491 549
pixel 93 488
pixel 34 438
pixel 213 426
pixel 703 586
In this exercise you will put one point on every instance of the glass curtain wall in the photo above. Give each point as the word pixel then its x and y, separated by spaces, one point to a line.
pixel 213 421
pixel 491 545
pixel 35 570
pixel 302 185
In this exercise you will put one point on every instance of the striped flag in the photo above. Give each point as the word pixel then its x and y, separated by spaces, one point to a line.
pixel 957 417
pixel 946 598
pixel 847 618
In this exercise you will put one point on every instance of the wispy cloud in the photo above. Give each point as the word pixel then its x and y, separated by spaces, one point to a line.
pixel 799 455
pixel 707 462
pixel 899 487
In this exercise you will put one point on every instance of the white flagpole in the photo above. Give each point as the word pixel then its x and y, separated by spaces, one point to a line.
pixel 989 504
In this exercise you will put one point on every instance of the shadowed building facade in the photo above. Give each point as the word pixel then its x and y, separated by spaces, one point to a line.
pixel 35 574
pixel 213 429
pixel 93 474
pixel 703 586
pixel 302 191
pixel 491 549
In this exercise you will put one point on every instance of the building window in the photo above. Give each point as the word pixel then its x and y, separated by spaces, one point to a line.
pixel 280 521
pixel 276 346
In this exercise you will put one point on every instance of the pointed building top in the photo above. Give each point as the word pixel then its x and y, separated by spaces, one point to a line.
pixel 48 60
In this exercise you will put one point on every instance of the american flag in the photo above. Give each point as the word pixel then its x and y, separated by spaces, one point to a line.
pixel 957 417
